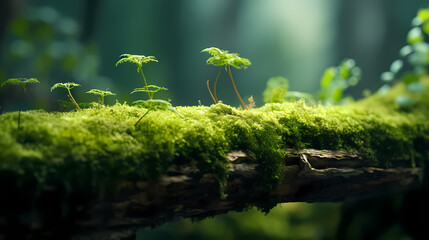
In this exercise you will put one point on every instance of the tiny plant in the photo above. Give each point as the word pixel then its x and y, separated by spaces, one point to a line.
pixel 155 104
pixel 68 86
pixel 416 53
pixel 21 82
pixel 139 60
pixel 223 58
pixel 336 80
pixel 101 93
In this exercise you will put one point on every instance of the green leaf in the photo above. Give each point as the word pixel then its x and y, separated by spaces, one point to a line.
pixel 410 77
pixel 157 104
pixel 224 58
pixel 337 95
pixel 19 81
pixel 149 89
pixel 421 47
pixel 100 92
pixel 387 76
pixel 396 66
pixel 423 14
pixel 353 81
pixel 139 60
pixel 426 28
pixel 415 35
pixel 67 85
pixel 418 58
pixel 404 101
pixel 383 89
pixel 327 77
pixel 405 50
pixel 416 87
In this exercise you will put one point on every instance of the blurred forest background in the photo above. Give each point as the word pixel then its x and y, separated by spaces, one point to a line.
pixel 80 41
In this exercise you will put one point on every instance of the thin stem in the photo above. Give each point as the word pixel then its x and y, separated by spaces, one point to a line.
pixel 145 83
pixel 102 99
pixel 217 78
pixel 208 87
pixel 235 88
pixel 74 101
pixel 142 117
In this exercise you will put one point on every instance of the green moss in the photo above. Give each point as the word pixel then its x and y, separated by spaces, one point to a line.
pixel 99 147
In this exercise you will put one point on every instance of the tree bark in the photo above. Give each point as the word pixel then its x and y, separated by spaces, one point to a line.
pixel 310 176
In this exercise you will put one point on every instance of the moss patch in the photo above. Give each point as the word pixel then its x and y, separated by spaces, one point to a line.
pixel 98 147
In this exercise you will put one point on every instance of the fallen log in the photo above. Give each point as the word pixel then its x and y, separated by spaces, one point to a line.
pixel 310 176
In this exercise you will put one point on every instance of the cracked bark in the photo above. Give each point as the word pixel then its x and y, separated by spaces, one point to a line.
pixel 310 176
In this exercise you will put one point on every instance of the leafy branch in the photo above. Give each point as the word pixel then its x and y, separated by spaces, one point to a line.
pixel 68 86
pixel 225 59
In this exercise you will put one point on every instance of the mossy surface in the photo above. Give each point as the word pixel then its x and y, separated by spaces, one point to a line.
pixel 98 147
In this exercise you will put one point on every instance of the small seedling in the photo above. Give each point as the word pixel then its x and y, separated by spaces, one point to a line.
pixel 68 86
pixel 101 93
pixel 155 104
pixel 139 60
pixel 225 59
pixel 21 82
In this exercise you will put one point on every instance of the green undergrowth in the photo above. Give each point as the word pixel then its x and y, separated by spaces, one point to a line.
pixel 96 148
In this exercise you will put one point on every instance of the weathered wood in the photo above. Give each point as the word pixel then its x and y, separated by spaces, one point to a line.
pixel 310 176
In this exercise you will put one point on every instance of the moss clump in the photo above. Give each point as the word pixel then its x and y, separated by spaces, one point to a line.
pixel 98 147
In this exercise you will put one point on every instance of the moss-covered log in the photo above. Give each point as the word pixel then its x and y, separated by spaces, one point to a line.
pixel 182 193
pixel 58 168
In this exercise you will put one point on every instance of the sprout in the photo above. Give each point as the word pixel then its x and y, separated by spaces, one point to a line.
pixel 68 86
pixel 139 60
pixel 225 59
pixel 101 93
pixel 21 82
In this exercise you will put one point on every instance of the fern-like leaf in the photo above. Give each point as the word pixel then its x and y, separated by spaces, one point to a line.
pixel 157 104
pixel 149 89
pixel 224 58
pixel 67 85
pixel 100 92
pixel 19 81
pixel 139 60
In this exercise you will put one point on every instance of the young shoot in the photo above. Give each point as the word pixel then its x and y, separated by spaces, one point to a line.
pixel 139 60
pixel 21 82
pixel 223 58
pixel 101 93
pixel 155 104
pixel 68 86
